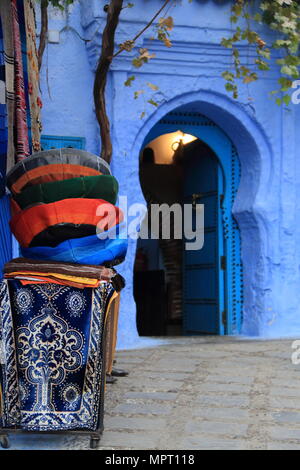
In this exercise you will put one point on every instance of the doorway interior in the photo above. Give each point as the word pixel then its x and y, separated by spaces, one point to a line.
pixel 187 159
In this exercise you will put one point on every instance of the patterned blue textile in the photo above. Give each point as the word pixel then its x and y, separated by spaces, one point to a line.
pixel 52 339
pixel 87 250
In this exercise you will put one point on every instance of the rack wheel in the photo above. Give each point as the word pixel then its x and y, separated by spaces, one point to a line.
pixel 4 442
pixel 94 442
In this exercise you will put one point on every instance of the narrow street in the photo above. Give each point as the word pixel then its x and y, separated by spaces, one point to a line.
pixel 198 393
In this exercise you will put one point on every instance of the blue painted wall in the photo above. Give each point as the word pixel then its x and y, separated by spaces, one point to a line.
pixel 189 78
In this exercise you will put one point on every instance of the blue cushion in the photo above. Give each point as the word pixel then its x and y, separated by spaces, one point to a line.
pixel 95 249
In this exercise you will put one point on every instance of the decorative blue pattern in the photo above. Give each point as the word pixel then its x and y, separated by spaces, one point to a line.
pixel 56 355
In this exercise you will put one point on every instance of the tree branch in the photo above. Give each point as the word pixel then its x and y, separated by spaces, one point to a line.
pixel 108 42
pixel 107 54
pixel 44 31
pixel 146 27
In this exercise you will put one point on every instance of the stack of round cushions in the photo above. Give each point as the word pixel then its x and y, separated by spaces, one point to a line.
pixel 63 208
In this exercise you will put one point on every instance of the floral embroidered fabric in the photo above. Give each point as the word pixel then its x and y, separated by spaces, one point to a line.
pixel 53 355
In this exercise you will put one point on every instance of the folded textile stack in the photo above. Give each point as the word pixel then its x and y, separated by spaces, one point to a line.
pixel 39 272
pixel 59 302
pixel 63 208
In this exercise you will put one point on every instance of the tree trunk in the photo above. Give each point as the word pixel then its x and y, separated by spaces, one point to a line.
pixel 44 31
pixel 107 51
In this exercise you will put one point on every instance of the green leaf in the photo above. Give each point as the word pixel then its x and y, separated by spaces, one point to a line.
pixel 250 78
pixel 151 101
pixel 129 80
pixel 257 17
pixel 290 70
pixel 137 94
pixel 228 76
pixel 285 83
pixel 262 65
pixel 286 99
pixel 229 86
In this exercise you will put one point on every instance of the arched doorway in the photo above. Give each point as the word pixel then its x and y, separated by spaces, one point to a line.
pixel 212 294
pixel 254 207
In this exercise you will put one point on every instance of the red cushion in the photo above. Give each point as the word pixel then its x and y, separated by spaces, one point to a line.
pixel 26 224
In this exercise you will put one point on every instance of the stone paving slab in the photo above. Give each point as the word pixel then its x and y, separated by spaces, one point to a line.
pixel 137 409
pixel 282 403
pixel 198 393
pixel 223 388
pixel 160 396
pixel 230 379
pixel 222 400
pixel 226 414
pixel 137 423
pixel 204 442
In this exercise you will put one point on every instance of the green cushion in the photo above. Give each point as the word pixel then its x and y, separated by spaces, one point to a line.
pixel 91 187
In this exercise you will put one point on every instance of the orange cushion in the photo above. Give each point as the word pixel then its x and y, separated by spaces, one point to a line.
pixel 26 224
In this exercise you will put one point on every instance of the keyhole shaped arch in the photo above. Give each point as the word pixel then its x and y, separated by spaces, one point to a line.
pixel 250 208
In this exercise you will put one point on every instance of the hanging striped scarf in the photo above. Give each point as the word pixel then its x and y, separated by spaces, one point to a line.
pixel 7 29
pixel 21 127
pixel 33 75
pixel 3 117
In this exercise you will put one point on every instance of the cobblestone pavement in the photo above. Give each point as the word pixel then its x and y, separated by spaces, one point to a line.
pixel 198 393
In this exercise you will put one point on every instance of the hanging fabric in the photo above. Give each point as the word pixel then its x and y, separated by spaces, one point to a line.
pixel 35 102
pixel 8 43
pixel 23 38
pixel 3 115
pixel 21 125
pixel 53 346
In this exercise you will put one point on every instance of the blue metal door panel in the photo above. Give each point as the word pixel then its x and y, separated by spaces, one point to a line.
pixel 200 318
pixel 200 284
pixel 206 254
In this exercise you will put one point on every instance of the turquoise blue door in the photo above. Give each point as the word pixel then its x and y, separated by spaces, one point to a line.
pixel 213 276
pixel 203 276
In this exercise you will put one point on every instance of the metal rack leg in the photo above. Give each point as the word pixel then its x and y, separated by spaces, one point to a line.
pixel 94 441
pixel 4 441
